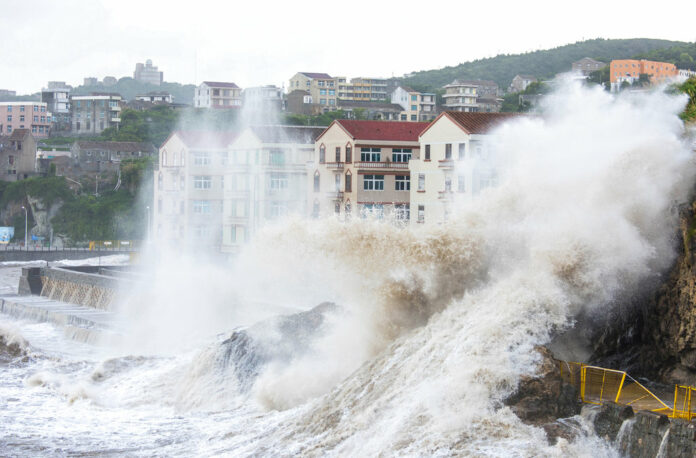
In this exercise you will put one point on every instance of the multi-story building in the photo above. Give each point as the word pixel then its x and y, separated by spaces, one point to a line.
pixel 95 156
pixel 216 94
pixel 265 179
pixel 417 106
pixel 57 99
pixel 189 189
pixel 17 155
pixel 464 95
pixel 520 82
pixel 383 111
pixel 362 89
pixel 155 97
pixel 454 163
pixel 322 89
pixel 629 70
pixel 33 116
pixel 362 166
pixel 263 99
pixel 147 73
pixel 586 65
pixel 91 114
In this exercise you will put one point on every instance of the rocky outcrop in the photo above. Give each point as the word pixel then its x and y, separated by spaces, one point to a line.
pixel 655 336
pixel 543 399
pixel 42 215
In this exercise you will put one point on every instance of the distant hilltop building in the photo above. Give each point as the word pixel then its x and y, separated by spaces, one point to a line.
pixel 155 97
pixel 33 116
pixel 57 98
pixel 586 65
pixel 520 83
pixel 417 106
pixel 629 70
pixel 469 95
pixel 148 73
pixel 215 94
pixel 7 93
pixel 91 114
pixel 362 89
pixel 321 87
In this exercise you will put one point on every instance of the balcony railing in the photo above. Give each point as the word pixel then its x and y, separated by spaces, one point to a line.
pixel 445 195
pixel 382 165
pixel 334 165
pixel 335 195
pixel 447 163
pixel 115 119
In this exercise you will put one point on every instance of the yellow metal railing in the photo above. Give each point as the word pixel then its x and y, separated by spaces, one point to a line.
pixel 597 385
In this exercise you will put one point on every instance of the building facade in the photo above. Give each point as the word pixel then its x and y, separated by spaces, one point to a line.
pixel 322 89
pixel 520 82
pixel 147 73
pixel 95 156
pixel 586 65
pixel 91 114
pixel 57 99
pixel 263 99
pixel 17 155
pixel 216 94
pixel 155 97
pixel 33 116
pixel 463 95
pixel 417 106
pixel 362 89
pixel 361 168
pixel 629 70
pixel 454 163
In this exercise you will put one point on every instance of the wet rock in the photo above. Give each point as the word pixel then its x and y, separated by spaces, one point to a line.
pixel 542 399
pixel 11 350
pixel 609 418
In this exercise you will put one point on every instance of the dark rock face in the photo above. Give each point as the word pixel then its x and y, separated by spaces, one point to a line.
pixel 608 420
pixel 278 340
pixel 11 351
pixel 543 399
pixel 655 336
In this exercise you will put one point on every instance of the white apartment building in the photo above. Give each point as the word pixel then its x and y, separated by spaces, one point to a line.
pixel 265 179
pixel 417 106
pixel 215 94
pixel 465 95
pixel 454 163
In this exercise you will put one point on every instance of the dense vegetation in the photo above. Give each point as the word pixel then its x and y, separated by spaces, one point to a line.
pixel 128 88
pixel 542 64
pixel 689 88
pixel 683 56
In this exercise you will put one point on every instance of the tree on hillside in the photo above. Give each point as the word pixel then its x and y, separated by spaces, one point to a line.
pixel 689 88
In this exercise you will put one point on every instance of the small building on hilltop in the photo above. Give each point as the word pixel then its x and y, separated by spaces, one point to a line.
pixel 586 65
pixel 97 156
pixel 216 94
pixel 520 82
pixel 17 155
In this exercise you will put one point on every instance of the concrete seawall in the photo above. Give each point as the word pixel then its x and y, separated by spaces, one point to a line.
pixel 54 255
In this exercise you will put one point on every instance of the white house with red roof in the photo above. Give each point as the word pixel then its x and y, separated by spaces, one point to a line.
pixel 361 167
pixel 216 94
pixel 455 163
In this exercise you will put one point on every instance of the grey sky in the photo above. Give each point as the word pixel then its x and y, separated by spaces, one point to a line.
pixel 266 42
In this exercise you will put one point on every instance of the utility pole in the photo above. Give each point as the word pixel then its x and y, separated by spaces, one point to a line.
pixel 26 217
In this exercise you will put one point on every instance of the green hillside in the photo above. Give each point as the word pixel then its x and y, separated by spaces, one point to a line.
pixel 129 88
pixel 542 64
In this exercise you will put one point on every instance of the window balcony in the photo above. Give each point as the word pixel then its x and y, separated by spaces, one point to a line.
pixel 334 165
pixel 445 195
pixel 446 164
pixel 335 195
pixel 115 119
pixel 382 165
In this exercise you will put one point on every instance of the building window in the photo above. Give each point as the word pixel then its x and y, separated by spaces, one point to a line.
pixel 370 154
pixel 159 181
pixel 376 210
pixel 448 151
pixel 338 154
pixel 421 181
pixel 448 183
pixel 414 98
pixel 402 183
pixel 322 101
pixel 279 181
pixel 315 209
pixel 421 213
pixel 462 151
pixel 349 182
pixel 401 154
pixel 9 118
pixel 322 154
pixel 21 118
pixel 202 182
pixel 277 157
pixel 373 182
pixel 461 187
pixel 402 212
pixel 322 91
pixel 36 108
pixel 332 102
pixel 337 183
pixel 9 108
pixel 316 181
pixel 403 117
pixel 427 152
pixel 201 159
pixel 337 208
pixel 349 153
pixel 201 207
pixel 414 107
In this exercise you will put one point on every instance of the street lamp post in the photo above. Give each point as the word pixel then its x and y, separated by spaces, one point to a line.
pixel 26 217
pixel 147 233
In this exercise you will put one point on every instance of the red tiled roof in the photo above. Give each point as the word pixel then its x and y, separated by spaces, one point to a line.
pixel 219 84
pixel 478 123
pixel 205 139
pixel 317 75
pixel 383 130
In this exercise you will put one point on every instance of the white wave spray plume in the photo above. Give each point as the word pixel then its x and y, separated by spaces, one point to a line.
pixel 443 321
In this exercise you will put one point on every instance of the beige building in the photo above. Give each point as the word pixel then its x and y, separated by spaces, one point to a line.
pixel 265 179
pixel 470 95
pixel 361 167
pixel 454 163
pixel 322 90
pixel 362 89
pixel 17 155
pixel 417 106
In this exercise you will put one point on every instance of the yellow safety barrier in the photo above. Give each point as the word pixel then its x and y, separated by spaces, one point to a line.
pixel 114 245
pixel 598 385
pixel 683 407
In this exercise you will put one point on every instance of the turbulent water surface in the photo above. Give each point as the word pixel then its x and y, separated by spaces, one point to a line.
pixel 431 328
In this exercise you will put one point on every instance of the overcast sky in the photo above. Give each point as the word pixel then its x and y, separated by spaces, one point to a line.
pixel 266 42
